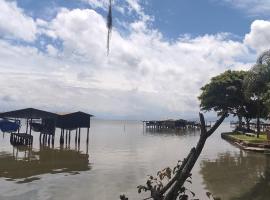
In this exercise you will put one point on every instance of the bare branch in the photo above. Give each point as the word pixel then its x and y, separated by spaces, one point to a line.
pixel 203 126
pixel 217 124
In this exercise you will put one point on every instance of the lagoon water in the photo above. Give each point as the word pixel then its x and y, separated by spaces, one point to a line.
pixel 119 157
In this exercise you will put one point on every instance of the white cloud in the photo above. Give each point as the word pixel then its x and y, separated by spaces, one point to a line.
pixel 52 50
pixel 253 7
pixel 15 23
pixel 98 3
pixel 145 75
pixel 259 36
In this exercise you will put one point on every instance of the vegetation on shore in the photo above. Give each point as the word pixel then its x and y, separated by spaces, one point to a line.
pixel 244 94
pixel 248 139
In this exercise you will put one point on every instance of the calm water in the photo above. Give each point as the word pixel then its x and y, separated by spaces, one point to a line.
pixel 119 157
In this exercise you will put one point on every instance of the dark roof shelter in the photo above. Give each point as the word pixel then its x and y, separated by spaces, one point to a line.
pixel 49 121
pixel 28 113
pixel 74 120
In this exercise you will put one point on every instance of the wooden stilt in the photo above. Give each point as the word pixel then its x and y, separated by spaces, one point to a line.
pixel 53 141
pixel 26 126
pixel 30 126
pixel 40 138
pixel 69 137
pixel 87 140
pixel 79 139
pixel 76 136
pixel 62 136
pixel 66 136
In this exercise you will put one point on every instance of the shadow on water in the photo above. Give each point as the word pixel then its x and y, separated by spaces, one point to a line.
pixel 243 176
pixel 25 164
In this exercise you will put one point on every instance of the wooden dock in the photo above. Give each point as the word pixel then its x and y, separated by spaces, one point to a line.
pixel 172 124
pixel 46 123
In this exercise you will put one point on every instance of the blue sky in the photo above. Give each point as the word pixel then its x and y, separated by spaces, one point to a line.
pixel 53 53
pixel 172 17
pixel 197 17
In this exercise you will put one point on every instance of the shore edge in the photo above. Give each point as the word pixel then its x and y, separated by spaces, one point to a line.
pixel 247 146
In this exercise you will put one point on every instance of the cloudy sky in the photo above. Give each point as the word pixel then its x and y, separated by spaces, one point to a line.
pixel 53 53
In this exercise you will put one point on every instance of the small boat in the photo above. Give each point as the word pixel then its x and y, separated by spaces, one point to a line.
pixel 9 126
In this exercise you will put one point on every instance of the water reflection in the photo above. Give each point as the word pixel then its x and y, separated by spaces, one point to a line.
pixel 26 163
pixel 171 132
pixel 239 176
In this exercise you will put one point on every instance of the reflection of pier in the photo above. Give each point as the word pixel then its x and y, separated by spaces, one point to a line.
pixel 46 123
pixel 171 132
pixel 21 138
pixel 27 163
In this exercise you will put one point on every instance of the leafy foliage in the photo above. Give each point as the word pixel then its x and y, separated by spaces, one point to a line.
pixel 257 81
pixel 156 184
pixel 224 93
pixel 257 87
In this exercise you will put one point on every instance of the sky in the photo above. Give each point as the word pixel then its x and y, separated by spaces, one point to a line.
pixel 53 53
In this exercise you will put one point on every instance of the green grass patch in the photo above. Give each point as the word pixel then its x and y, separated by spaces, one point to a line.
pixel 245 138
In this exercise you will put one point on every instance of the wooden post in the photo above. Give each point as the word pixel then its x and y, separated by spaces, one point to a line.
pixel 30 126
pixel 26 125
pixel 79 138
pixel 53 140
pixel 49 140
pixel 66 135
pixel 87 140
pixel 40 138
pixel 69 137
pixel 76 136
pixel 62 136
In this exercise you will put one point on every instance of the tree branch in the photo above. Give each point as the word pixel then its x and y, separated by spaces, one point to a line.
pixel 192 159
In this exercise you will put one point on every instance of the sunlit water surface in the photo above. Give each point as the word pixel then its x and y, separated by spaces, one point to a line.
pixel 119 157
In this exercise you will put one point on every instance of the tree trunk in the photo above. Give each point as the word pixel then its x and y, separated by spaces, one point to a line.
pixel 248 123
pixel 258 127
pixel 258 118
pixel 194 154
pixel 239 122
pixel 171 190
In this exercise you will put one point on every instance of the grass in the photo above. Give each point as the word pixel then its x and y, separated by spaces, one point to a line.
pixel 262 138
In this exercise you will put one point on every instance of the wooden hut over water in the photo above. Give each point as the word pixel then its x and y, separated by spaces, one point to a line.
pixel 171 124
pixel 46 123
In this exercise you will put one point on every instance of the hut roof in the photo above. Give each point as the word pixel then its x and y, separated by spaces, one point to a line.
pixel 74 120
pixel 28 113
pixel 66 121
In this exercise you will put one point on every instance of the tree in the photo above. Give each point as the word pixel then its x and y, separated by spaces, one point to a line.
pixel 250 112
pixel 256 86
pixel 225 93
pixel 175 189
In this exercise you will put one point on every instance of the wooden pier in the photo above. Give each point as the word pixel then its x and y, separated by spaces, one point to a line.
pixel 46 123
pixel 172 124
